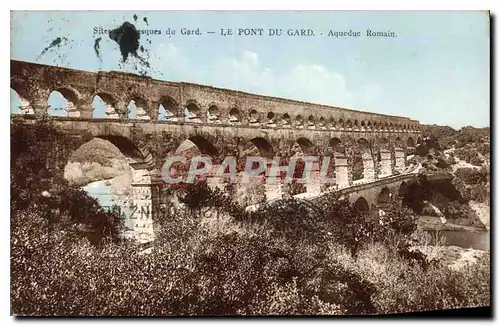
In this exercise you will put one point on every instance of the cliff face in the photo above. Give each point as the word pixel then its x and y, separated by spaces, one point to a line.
pixel 457 174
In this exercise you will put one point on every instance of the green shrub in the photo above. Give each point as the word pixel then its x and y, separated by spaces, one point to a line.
pixel 471 176
pixel 401 286
pixel 469 155
pixel 188 272
pixel 484 149
pixel 32 147
pixel 348 226
pixel 473 184
pixel 479 192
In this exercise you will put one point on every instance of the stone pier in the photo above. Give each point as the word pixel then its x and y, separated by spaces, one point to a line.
pixel 142 218
pixel 400 157
pixel 341 172
pixel 368 167
pixel 385 163
pixel 313 185
pixel 273 188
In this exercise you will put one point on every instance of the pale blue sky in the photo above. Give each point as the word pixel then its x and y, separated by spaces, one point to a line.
pixel 436 70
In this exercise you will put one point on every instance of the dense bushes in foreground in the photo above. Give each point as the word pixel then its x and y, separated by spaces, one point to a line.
pixel 273 261
pixel 32 147
pixel 222 267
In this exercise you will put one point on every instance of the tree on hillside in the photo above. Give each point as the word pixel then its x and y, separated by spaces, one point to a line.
pixel 37 186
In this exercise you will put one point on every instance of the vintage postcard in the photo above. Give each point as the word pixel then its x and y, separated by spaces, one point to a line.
pixel 250 163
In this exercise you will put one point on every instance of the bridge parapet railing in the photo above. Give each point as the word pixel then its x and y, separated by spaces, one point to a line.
pixel 344 190
pixel 357 187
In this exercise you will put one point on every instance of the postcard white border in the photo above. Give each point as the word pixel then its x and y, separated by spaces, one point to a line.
pixel 188 5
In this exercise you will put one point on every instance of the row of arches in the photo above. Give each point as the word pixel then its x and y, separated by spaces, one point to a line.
pixel 306 147
pixel 198 144
pixel 382 200
pixel 374 161
pixel 65 102
pixel 255 146
pixel 336 148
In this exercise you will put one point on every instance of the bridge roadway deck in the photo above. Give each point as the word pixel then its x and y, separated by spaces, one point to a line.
pixel 362 186
pixel 387 180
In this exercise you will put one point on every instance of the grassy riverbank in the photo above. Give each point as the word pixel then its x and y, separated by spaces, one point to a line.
pixel 436 248
pixel 434 223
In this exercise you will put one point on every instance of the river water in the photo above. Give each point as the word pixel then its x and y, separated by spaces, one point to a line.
pixel 465 239
pixel 102 191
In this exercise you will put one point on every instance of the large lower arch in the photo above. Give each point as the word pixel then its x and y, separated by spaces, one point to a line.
pixel 337 147
pixel 57 105
pixel 135 153
pixel 306 146
pixel 383 143
pixel 105 150
pixel 256 148
pixel 403 189
pixel 204 145
pixel 265 148
pixel 398 142
pixel 22 90
pixel 194 146
pixel 135 177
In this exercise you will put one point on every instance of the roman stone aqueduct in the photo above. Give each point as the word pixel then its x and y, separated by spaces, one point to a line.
pixel 220 122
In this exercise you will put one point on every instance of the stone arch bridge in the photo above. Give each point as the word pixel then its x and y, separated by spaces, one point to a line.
pixel 220 122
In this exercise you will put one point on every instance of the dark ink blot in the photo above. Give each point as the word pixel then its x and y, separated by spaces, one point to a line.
pixel 146 21
pixel 144 62
pixel 96 47
pixel 55 43
pixel 135 17
pixel 127 38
